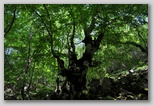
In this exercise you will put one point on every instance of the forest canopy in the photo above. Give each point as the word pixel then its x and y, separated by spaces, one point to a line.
pixel 75 51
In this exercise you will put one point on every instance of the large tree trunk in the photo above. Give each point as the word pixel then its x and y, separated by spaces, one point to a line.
pixel 77 78
pixel 76 74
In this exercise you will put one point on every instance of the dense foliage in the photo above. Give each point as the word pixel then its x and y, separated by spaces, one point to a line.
pixel 98 51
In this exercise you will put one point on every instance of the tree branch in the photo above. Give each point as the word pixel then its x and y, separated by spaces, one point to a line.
pixel 145 44
pixel 98 40
pixel 29 51
pixel 8 28
pixel 92 47
pixel 48 16
pixel 42 21
pixel 60 61
pixel 49 30
pixel 144 50
pixel 72 38
pixel 87 31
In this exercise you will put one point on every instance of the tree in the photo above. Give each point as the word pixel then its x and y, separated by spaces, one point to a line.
pixel 66 39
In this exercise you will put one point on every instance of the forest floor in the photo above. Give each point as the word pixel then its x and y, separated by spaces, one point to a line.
pixel 132 85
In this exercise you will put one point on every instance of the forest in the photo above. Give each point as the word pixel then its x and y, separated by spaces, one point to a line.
pixel 75 51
